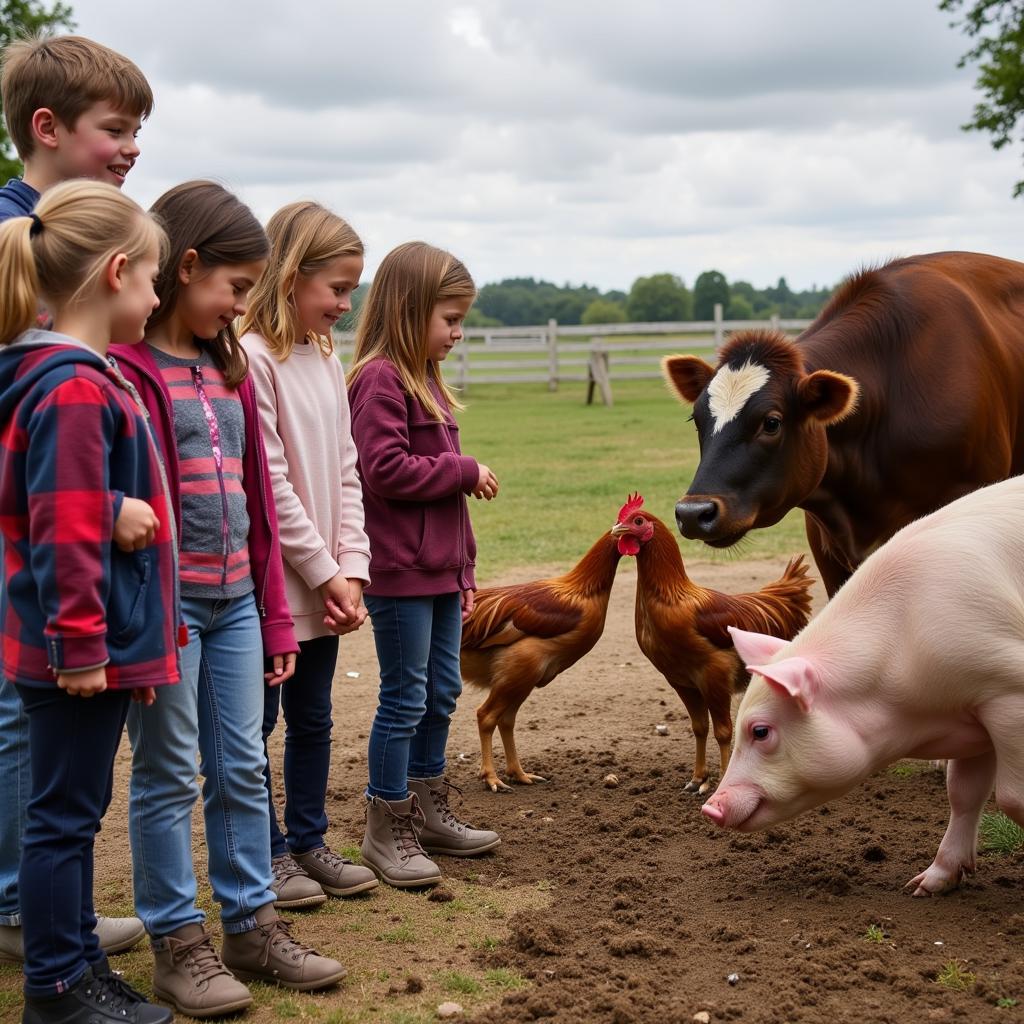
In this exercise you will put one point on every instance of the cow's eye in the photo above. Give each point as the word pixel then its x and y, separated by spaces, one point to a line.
pixel 760 732
pixel 771 425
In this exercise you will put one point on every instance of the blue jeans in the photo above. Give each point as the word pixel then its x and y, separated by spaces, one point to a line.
pixel 14 770
pixel 306 699
pixel 217 711
pixel 417 640
pixel 74 740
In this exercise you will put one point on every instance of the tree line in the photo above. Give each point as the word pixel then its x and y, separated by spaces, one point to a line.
pixel 517 301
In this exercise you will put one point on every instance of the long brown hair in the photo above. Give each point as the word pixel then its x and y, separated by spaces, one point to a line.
pixel 205 216
pixel 411 280
pixel 304 239
pixel 59 254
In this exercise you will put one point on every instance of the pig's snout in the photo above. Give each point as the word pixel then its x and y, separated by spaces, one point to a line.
pixel 732 806
pixel 713 812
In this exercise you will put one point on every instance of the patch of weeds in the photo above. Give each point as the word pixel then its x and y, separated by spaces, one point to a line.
pixel 354 853
pixel 448 911
pixel 904 769
pixel 999 834
pixel 502 977
pixel 342 1017
pixel 458 983
pixel 1006 1003
pixel 403 933
pixel 410 1017
pixel 10 1001
pixel 383 975
pixel 956 976
pixel 286 1009
pixel 545 885
pixel 487 943
pixel 874 933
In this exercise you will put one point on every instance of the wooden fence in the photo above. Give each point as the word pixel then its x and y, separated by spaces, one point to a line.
pixel 594 354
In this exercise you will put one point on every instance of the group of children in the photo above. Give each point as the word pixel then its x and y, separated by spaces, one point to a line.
pixel 183 480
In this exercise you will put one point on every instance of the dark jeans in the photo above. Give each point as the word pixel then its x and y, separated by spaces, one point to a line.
pixel 72 743
pixel 306 699
pixel 417 641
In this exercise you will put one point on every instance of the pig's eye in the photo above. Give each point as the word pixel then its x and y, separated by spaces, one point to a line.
pixel 760 732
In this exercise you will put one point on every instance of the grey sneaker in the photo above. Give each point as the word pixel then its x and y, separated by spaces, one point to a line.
pixel 188 974
pixel 391 845
pixel 441 831
pixel 292 887
pixel 336 874
pixel 115 935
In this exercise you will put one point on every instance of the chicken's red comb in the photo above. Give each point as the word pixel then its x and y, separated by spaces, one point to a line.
pixel 633 504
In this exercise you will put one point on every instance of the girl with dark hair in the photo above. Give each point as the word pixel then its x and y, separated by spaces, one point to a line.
pixel 192 375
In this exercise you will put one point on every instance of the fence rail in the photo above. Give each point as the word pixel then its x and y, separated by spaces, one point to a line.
pixel 593 354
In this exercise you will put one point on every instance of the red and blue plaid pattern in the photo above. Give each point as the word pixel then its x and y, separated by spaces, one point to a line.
pixel 73 444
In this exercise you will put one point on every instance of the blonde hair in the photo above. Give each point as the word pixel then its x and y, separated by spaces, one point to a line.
pixel 394 321
pixel 304 239
pixel 66 74
pixel 60 252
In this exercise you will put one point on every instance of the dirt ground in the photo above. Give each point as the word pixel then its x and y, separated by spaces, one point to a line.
pixel 623 904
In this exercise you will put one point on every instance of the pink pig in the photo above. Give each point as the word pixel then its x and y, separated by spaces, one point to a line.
pixel 920 654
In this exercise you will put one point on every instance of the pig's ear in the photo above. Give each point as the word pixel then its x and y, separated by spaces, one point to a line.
pixel 795 677
pixel 755 646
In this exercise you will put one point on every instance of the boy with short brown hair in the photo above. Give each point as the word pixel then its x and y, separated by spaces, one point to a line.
pixel 73 108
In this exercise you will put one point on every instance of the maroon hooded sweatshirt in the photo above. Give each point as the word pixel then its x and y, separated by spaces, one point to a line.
pixel 415 481
pixel 139 366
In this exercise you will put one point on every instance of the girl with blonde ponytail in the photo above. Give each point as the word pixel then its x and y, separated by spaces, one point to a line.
pixel 315 263
pixel 90 567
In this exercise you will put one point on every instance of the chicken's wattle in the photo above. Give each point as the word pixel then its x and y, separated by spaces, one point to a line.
pixel 628 545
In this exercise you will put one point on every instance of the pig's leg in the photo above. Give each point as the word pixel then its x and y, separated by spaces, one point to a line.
pixel 1004 720
pixel 968 782
pixel 697 709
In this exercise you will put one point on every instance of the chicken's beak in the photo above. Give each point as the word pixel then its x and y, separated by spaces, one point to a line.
pixel 619 530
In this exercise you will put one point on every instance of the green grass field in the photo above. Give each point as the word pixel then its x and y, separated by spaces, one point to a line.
pixel 565 468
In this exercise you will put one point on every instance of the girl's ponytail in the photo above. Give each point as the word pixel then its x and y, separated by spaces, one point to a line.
pixel 57 255
pixel 19 282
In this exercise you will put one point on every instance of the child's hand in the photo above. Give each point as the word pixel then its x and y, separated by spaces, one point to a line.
pixel 466 598
pixel 83 684
pixel 486 485
pixel 136 525
pixel 144 695
pixel 343 601
pixel 284 669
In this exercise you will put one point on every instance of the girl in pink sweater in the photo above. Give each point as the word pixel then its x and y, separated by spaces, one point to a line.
pixel 315 263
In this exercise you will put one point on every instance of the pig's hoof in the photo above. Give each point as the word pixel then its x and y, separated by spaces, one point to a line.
pixel 932 882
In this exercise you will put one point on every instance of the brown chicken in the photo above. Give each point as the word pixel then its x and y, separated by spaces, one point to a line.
pixel 681 627
pixel 521 637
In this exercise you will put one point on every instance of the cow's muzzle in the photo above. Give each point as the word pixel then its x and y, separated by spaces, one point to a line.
pixel 700 517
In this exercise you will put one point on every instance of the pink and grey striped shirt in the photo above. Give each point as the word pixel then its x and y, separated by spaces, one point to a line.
pixel 209 429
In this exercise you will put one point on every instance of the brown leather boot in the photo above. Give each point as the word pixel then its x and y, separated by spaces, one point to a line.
pixel 335 874
pixel 391 845
pixel 270 953
pixel 188 974
pixel 441 831
pixel 292 886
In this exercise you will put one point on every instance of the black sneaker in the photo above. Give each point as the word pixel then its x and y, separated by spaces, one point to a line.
pixel 96 999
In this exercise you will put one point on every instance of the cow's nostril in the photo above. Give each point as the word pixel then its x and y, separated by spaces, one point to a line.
pixel 696 519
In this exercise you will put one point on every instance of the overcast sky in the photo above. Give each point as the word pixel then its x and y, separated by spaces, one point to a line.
pixel 583 140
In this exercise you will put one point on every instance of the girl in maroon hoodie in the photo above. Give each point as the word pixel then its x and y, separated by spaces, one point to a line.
pixel 415 481
pixel 192 374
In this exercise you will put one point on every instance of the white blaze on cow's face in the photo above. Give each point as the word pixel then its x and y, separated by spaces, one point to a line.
pixel 730 390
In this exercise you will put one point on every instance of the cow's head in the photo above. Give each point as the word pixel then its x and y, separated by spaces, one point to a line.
pixel 761 424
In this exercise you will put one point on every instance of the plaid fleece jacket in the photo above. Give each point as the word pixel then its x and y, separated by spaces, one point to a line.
pixel 73 444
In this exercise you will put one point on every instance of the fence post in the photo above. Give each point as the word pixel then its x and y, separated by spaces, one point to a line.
pixel 719 333
pixel 774 319
pixel 552 355
pixel 598 375
pixel 462 366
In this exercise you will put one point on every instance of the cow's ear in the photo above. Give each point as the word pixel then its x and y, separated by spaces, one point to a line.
pixel 688 376
pixel 827 396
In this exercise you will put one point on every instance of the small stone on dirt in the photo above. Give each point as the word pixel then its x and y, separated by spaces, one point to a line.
pixel 440 895
pixel 449 1010
pixel 703 1017
pixel 547 820
pixel 611 780
pixel 732 978
pixel 661 729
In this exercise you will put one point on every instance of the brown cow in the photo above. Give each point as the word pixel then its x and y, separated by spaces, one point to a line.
pixel 905 393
